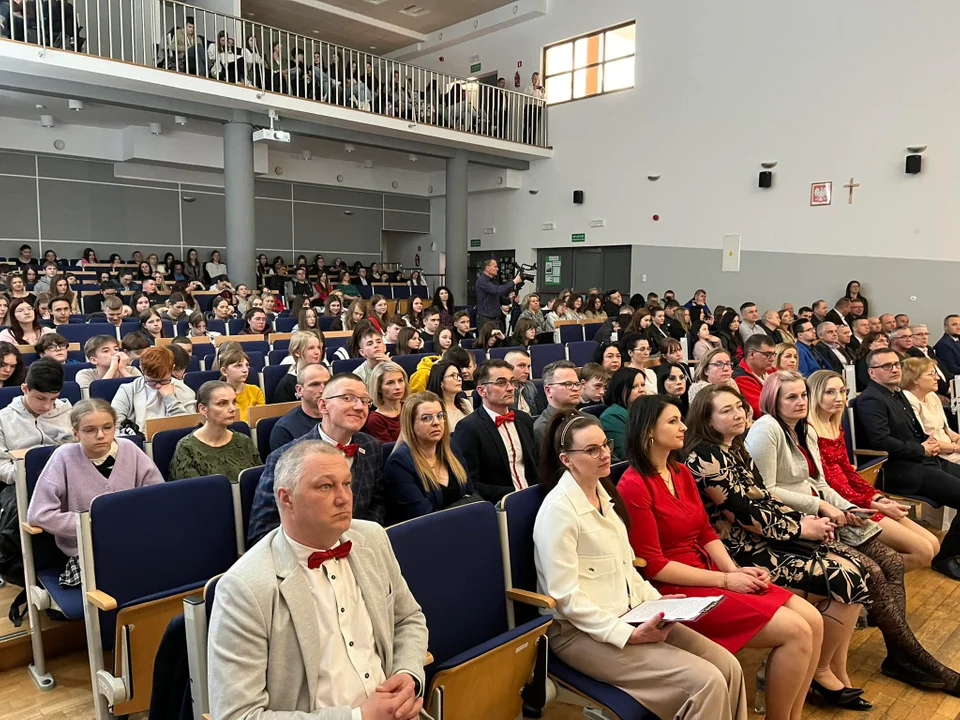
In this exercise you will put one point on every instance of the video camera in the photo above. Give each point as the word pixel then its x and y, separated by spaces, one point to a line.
pixel 527 273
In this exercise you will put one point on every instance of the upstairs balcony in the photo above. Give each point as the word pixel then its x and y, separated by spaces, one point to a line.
pixel 176 51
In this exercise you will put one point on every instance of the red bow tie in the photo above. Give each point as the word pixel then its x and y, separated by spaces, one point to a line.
pixel 338 553
pixel 348 450
pixel 501 419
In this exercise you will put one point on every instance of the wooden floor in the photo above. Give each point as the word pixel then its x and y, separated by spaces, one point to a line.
pixel 934 614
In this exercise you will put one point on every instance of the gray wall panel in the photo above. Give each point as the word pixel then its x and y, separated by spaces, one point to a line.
pixel 337 196
pixel 17 164
pixel 274 224
pixel 406 222
pixel 406 202
pixel 73 169
pixel 326 228
pixel 87 212
pixel 204 221
pixel 18 207
pixel 268 189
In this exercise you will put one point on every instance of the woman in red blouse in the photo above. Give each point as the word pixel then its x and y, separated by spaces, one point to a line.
pixel 828 401
pixel 389 388
pixel 671 531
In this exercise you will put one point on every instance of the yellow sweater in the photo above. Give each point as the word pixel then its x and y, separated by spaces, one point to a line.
pixel 248 397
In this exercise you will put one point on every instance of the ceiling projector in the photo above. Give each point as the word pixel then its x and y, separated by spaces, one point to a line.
pixel 265 134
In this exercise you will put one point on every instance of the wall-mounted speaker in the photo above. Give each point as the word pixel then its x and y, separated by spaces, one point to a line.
pixel 914 163
pixel 578 197
pixel 766 179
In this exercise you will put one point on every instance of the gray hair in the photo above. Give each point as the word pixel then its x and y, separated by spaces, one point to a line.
pixel 825 327
pixel 917 328
pixel 290 466
pixel 900 332
pixel 91 405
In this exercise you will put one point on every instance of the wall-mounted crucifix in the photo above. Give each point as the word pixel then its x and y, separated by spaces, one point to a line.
pixel 851 186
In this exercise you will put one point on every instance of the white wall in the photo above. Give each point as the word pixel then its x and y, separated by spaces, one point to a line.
pixel 828 91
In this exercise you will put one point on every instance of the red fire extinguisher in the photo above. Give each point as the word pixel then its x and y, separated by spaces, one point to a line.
pixel 516 79
pixel 416 260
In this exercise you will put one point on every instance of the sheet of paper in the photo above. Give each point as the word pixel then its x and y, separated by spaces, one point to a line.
pixel 676 610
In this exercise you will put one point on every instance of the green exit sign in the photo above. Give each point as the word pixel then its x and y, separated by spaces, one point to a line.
pixel 475 68
pixel 578 237
pixel 475 243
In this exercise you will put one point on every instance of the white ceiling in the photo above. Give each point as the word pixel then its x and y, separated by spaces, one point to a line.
pixel 378 26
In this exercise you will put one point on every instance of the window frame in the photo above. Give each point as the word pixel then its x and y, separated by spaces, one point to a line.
pixel 572 41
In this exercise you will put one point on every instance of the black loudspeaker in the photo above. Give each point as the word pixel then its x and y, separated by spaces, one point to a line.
pixel 766 179
pixel 578 197
pixel 913 164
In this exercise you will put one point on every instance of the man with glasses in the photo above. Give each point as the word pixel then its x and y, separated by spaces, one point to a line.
pixel 561 384
pixel 810 361
pixel 901 342
pixel 921 348
pixel 157 394
pixel 311 381
pixel 752 371
pixel 886 421
pixel 343 406
pixel 497 442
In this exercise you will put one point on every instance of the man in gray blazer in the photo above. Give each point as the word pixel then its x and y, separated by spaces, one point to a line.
pixel 316 619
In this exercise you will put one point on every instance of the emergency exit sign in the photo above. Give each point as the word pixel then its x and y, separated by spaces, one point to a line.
pixel 475 242
pixel 578 237
pixel 475 68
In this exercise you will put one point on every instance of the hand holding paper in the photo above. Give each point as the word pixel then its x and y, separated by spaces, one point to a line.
pixel 677 610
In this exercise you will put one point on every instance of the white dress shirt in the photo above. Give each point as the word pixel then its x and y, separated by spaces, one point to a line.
pixel 350 669
pixel 511 442
pixel 926 354
pixel 330 441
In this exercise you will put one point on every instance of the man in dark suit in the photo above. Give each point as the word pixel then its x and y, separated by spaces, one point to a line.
pixel 829 346
pixel 921 348
pixel 886 421
pixel 343 405
pixel 948 347
pixel 860 327
pixel 838 315
pixel 497 442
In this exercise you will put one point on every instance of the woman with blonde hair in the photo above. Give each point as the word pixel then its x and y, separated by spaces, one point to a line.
pixel 306 348
pixel 786 357
pixel 828 402
pixel 424 473
pixel 389 387
pixel 234 366
pixel 919 383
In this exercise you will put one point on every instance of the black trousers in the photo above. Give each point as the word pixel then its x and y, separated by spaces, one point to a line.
pixel 941 482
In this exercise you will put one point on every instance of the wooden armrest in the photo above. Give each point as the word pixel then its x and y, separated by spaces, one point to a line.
pixel 19 454
pixel 101 600
pixel 429 659
pixel 205 716
pixel 871 453
pixel 531 598
pixel 639 562
pixel 31 529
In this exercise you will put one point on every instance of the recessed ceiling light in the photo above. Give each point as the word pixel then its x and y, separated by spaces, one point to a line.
pixel 156 129
pixel 76 105
pixel 179 119
pixel 249 14
pixel 373 47
pixel 412 158
pixel 316 32
pixel 41 107
pixel 348 148
pixel 47 121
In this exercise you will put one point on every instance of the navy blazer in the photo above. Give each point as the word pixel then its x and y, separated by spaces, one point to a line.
pixel 948 350
pixel 479 440
pixel 407 495
pixel 367 474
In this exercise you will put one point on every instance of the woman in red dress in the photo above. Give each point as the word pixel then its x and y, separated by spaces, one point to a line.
pixel 671 531
pixel 828 401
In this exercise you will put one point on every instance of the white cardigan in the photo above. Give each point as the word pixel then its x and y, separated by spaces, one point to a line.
pixel 585 561
pixel 784 469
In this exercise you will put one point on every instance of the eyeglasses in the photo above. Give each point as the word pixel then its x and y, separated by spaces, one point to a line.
pixel 887 367
pixel 352 399
pixel 157 382
pixel 594 452
pixel 60 346
pixel 502 383
pixel 453 376
pixel 569 386
pixel 720 365
pixel 428 419
pixel 768 355
pixel 834 393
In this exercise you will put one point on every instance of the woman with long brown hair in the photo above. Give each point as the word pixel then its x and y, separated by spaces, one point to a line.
pixel 24 327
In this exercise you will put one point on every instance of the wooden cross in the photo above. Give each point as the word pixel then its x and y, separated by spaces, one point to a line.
pixel 850 186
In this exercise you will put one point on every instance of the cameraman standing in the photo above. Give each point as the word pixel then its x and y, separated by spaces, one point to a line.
pixel 488 293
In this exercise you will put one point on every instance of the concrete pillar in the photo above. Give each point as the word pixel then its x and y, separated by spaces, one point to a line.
pixel 239 201
pixel 457 226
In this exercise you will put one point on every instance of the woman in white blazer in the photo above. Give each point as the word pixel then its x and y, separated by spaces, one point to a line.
pixel 785 450
pixel 584 561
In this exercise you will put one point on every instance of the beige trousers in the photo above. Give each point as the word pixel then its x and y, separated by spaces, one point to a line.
pixel 686 677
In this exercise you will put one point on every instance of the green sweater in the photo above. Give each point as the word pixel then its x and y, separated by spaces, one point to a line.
pixel 614 422
pixel 193 458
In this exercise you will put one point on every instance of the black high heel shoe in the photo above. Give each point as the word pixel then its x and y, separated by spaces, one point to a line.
pixel 846 698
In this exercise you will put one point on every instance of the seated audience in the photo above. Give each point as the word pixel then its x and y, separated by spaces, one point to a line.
pixel 489 337
pixel 151 326
pixel 888 323
pixel 727 330
pixel 532 311
pixel 561 385
pixel 921 348
pixel 391 334
pixel 12 369
pixel 529 399
pixel 103 351
pixel 838 315
pixel 443 340
pixel 583 517
pixel 343 411
pixel 760 531
pixel 947 347
pixel 54 345
pixel 213 448
pixel 431 323
pixel 414 316
pixel 256 323
pixel 306 348
pixel 635 351
pixel 198 327
pixel 873 341
pixel 785 357
pixel 311 380
pixel 446 382
pixel 388 387
pixel 828 401
pixel 76 473
pixel 751 373
pixel 155 394
pixel 424 473
pixel 607 356
pixel 705 340
pixel 181 358
pixel 820 309
pixel 626 385
pixel 750 321
pixel 258 666
pixel 771 324
pixel 524 334
pixel 832 354
pixel 672 383
pixel 496 441
pixel 593 384
pixel 810 361
pixel 133 344
pixel 919 384
pixel 234 366
pixel 24 327
pixel 860 328
pixel 60 312
pixel 38 417
pixel 669 528
pixel 409 342
pixel 786 453
pixel 901 341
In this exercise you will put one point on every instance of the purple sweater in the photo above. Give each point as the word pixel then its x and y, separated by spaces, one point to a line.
pixel 57 499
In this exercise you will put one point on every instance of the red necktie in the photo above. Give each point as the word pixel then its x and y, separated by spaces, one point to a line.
pixel 348 450
pixel 501 419
pixel 338 553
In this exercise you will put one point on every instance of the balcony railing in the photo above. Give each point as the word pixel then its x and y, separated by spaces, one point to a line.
pixel 160 34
